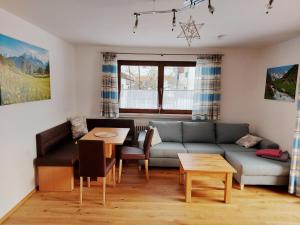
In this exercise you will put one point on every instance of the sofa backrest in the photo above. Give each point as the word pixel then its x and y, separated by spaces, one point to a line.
pixel 119 123
pixel 198 132
pixel 169 131
pixel 52 137
pixel 228 133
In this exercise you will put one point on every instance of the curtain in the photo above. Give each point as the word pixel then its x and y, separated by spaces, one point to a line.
pixel 109 106
pixel 207 88
pixel 294 187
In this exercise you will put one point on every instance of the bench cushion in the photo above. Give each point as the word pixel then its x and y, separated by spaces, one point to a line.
pixel 169 131
pixel 248 164
pixel 64 154
pixel 167 150
pixel 198 132
pixel 203 148
pixel 229 133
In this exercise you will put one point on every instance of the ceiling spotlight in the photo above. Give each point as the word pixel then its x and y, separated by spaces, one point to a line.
pixel 211 9
pixel 136 23
pixel 174 19
pixel 269 6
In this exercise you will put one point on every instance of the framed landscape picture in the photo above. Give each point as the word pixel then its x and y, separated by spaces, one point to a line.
pixel 281 83
pixel 24 72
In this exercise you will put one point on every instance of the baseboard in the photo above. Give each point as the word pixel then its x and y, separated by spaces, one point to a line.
pixel 10 212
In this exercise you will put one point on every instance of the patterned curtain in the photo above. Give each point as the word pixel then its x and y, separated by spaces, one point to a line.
pixel 207 88
pixel 109 106
pixel 294 187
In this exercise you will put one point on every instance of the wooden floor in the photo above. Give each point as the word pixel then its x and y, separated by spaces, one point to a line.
pixel 160 201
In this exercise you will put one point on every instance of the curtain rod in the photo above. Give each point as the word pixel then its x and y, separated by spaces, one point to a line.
pixel 161 54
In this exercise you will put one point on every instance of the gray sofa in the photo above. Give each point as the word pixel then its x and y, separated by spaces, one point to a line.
pixel 216 138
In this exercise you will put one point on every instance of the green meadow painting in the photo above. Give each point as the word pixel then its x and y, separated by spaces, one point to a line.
pixel 24 72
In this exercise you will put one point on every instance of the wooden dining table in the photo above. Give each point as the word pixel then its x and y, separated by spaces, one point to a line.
pixel 109 142
pixel 118 138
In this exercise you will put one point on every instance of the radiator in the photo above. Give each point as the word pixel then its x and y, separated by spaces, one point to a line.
pixel 139 128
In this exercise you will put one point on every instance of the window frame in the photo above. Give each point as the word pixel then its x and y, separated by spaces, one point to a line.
pixel 160 65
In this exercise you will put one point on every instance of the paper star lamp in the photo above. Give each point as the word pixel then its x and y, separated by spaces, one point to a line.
pixel 190 30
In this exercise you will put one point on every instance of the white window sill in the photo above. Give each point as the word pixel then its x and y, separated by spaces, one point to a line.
pixel 156 116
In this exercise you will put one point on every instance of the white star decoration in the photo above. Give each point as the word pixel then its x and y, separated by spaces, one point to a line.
pixel 190 30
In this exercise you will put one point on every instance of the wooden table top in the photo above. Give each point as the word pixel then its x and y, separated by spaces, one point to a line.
pixel 212 163
pixel 117 140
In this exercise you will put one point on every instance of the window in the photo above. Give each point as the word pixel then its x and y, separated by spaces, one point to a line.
pixel 156 87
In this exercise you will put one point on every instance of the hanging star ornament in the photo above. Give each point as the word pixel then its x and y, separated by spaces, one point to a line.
pixel 190 30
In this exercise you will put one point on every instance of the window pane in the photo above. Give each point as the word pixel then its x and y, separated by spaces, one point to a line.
pixel 139 87
pixel 178 88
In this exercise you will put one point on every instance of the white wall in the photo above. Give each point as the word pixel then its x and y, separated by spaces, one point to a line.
pixel 20 122
pixel 273 119
pixel 236 64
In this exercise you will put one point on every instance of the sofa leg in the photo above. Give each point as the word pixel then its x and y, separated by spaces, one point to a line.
pixel 147 169
pixel 89 182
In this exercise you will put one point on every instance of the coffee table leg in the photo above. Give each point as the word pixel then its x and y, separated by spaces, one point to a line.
pixel 188 187
pixel 228 187
pixel 180 175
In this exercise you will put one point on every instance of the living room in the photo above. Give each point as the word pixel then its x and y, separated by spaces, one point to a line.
pixel 243 39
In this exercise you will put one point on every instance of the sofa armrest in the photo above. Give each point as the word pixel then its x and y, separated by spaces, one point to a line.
pixel 265 143
pixel 141 139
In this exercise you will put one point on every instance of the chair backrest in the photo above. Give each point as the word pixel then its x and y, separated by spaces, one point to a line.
pixel 92 162
pixel 147 142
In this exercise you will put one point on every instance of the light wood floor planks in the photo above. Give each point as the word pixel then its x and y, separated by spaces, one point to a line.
pixel 159 201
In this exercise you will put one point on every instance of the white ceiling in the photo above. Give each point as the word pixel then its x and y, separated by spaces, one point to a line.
pixel 110 22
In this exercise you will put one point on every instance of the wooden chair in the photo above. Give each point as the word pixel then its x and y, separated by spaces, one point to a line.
pixel 93 163
pixel 134 153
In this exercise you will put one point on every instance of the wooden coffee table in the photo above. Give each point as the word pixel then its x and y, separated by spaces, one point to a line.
pixel 209 165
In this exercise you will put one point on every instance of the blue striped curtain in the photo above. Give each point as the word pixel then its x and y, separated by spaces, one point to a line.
pixel 207 88
pixel 109 106
pixel 294 187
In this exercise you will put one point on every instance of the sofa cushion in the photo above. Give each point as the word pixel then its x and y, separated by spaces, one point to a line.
pixel 247 163
pixel 63 154
pixel 203 148
pixel 235 148
pixel 169 131
pixel 228 133
pixel 167 150
pixel 198 132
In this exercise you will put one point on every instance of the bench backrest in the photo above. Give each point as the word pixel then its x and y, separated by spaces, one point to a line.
pixel 52 137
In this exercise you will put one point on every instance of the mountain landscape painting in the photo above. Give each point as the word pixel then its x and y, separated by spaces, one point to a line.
pixel 281 83
pixel 24 72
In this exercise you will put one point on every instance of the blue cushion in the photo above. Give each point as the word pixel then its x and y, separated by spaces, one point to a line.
pixel 205 148
pixel 167 150
pixel 229 133
pixel 169 131
pixel 198 132
pixel 247 163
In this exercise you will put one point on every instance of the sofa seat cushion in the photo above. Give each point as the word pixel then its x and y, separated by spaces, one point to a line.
pixel 167 150
pixel 198 132
pixel 235 148
pixel 64 154
pixel 206 148
pixel 248 164
pixel 169 131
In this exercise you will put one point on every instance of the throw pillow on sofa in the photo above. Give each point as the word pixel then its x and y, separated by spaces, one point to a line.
pixel 156 138
pixel 248 141
pixel 79 127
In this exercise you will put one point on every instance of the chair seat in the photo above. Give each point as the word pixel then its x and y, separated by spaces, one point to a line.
pixel 132 153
